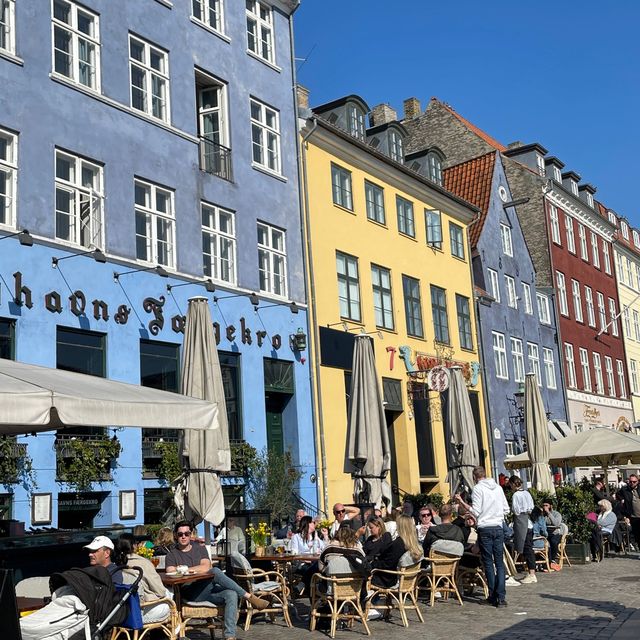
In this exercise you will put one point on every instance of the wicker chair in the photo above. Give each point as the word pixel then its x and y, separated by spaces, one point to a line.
pixel 440 576
pixel 170 626
pixel 541 555
pixel 201 615
pixel 403 595
pixel 469 578
pixel 341 596
pixel 562 551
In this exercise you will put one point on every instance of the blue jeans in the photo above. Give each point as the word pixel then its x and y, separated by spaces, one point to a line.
pixel 220 590
pixel 491 541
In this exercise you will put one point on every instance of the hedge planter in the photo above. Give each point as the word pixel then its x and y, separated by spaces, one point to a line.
pixel 578 553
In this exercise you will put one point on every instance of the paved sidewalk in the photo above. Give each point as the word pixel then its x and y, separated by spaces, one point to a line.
pixel 600 601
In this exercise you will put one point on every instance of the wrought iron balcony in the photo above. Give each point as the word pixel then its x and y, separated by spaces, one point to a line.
pixel 216 159
pixel 104 451
pixel 151 448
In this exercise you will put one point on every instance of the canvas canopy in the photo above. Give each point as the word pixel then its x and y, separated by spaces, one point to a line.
pixel 34 399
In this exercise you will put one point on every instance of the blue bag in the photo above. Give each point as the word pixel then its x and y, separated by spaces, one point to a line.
pixel 134 612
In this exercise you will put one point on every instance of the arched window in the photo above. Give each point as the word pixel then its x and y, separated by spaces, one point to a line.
pixel 396 151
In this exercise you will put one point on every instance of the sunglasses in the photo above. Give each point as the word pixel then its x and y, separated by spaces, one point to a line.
pixel 422 515
pixel 183 534
pixel 337 513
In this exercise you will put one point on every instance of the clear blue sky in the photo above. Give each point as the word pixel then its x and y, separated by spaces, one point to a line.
pixel 562 73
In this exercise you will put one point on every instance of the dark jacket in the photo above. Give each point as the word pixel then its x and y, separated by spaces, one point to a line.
pixel 626 496
pixel 373 547
pixel 388 558
pixel 445 531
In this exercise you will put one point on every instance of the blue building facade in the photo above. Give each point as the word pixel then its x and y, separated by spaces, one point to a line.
pixel 517 322
pixel 158 138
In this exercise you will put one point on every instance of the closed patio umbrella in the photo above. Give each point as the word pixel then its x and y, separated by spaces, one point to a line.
pixel 538 441
pixel 198 492
pixel 368 452
pixel 462 433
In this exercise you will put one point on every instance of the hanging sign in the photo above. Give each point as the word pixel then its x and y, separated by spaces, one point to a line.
pixel 438 379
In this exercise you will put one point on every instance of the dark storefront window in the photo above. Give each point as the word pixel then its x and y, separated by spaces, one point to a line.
pixel 424 436
pixel 80 351
pixel 230 368
pixel 7 333
pixel 156 503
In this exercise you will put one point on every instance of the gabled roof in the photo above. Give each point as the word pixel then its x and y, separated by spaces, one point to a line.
pixel 472 181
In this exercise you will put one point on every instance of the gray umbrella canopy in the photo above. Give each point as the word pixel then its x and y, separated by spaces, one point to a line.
pixel 368 452
pixel 198 492
pixel 538 441
pixel 462 433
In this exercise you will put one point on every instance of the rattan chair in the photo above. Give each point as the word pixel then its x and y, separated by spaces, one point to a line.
pixel 541 555
pixel 440 576
pixel 170 626
pixel 468 578
pixel 341 597
pixel 403 595
pixel 562 551
pixel 201 616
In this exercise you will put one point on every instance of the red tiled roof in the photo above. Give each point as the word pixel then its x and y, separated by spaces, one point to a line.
pixel 471 181
pixel 479 132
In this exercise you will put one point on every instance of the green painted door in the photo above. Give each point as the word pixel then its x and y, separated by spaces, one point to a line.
pixel 275 429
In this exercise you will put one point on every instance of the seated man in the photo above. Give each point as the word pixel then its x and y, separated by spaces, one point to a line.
pixel 446 537
pixel 233 536
pixel 219 590
pixel 553 521
pixel 341 513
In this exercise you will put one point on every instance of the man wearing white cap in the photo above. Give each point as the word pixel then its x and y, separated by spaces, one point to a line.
pixel 100 553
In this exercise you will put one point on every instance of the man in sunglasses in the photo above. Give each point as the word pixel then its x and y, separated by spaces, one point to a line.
pixel 342 513
pixel 219 590
pixel 630 498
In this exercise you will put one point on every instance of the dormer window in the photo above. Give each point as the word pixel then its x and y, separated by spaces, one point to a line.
pixel 636 239
pixel 589 199
pixel 574 187
pixel 434 162
pixel 540 163
pixel 356 122
pixel 625 229
pixel 612 219
pixel 396 150
pixel 557 174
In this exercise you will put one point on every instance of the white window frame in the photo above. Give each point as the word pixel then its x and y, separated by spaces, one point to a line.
pixel 433 223
pixel 207 8
pixel 608 365
pixel 8 27
pixel 510 448
pixel 512 298
pixel 562 293
pixel 151 75
pixel 396 146
pixel 571 365
pixel 505 236
pixel 577 300
pixel 341 186
pixel 549 368
pixel 571 239
pixel 533 359
pixel 76 39
pixel 500 355
pixel 597 368
pixel 265 136
pixel 86 209
pixel 495 284
pixel 607 257
pixel 621 274
pixel 260 27
pixel 636 239
pixel 356 121
pixel 633 367
pixel 602 313
pixel 9 166
pixel 627 322
pixel 629 273
pixel 221 241
pixel 594 250
pixel 544 310
pixel 382 297
pixel 624 227
pixel 621 380
pixel 586 369
pixel 153 217
pixel 636 324
pixel 273 256
pixel 374 199
pixel 555 224
pixel 517 356
pixel 526 297
pixel 613 317
pixel 584 249
pixel 612 218
pixel 591 310
pixel 349 304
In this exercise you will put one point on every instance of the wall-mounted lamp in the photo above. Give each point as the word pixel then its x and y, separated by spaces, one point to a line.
pixel 208 285
pixel 298 340
pixel 158 270
pixel 515 203
pixel 293 307
pixel 96 254
pixel 24 237
pixel 253 298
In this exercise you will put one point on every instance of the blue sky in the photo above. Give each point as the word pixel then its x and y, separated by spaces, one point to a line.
pixel 562 73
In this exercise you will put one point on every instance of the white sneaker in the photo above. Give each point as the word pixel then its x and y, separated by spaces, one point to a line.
pixel 437 595
pixel 511 582
pixel 374 614
pixel 530 579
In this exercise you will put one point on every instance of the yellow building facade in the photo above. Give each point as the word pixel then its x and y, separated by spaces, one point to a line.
pixel 372 268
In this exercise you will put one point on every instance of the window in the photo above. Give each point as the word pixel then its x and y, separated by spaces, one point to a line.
pixel 511 292
pixel 597 367
pixel 577 301
pixel 627 323
pixel 494 284
pixel 621 273
pixel 382 300
pixel 533 356
pixel 230 370
pixel 591 314
pixel 555 226
pixel 8 177
pixel 586 370
pixel 404 209
pixel 341 186
pixel 395 146
pixel 272 259
pixel 215 155
pixel 464 322
pixel 602 312
pixel 634 376
pixel 80 351
pixel 76 43
pixel 629 272
pixel 612 218
pixel 568 225
pixel 412 306
pixel 435 168
pixel 625 229
pixel 79 201
pixel 218 243
pixel 505 235
pixel 510 448
pixel 160 365
pixel 7 25
pixel 155 224
pixel 356 121
pixel 542 170
pixel 571 365
pixel 526 296
pixel 621 381
pixel 518 359
pixel 439 314
pixel 636 239
pixel 456 237
pixel 549 368
pixel 500 356
pixel 594 250
pixel 348 286
pixel 374 196
pixel 434 228
pixel 265 136
pixel 607 259
pixel 584 251
pixel 562 293
pixel 544 310
pixel 7 338
pixel 208 12
pixel 260 30
pixel 613 314
pixel 149 68
pixel 608 364
pixel 636 325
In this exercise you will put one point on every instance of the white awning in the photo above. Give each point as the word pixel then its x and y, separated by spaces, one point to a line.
pixel 34 398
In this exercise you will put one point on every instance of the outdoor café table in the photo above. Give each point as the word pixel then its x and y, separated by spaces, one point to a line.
pixel 175 581
pixel 27 605
pixel 284 562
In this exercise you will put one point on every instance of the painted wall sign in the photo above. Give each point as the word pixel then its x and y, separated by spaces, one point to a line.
pixel 425 362
pixel 438 379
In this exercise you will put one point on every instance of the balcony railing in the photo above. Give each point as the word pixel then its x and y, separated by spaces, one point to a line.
pixel 150 448
pixel 216 159
pixel 65 453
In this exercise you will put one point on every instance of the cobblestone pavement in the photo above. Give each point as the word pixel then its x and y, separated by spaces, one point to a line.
pixel 586 602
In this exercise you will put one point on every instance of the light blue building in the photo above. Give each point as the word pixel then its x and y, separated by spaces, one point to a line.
pixel 158 138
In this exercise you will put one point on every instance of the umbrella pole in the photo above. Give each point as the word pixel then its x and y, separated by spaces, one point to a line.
pixel 207 533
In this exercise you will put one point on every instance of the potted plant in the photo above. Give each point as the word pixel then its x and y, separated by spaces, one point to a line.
pixel 259 536
pixel 574 503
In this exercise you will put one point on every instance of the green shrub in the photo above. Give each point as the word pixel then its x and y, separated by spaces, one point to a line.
pixel 419 500
pixel 573 502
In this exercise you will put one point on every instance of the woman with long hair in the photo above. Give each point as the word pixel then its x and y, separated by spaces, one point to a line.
pixel 379 537
pixel 163 541
pixel 307 541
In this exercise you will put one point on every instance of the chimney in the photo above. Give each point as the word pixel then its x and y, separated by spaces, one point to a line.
pixel 381 114
pixel 302 95
pixel 412 108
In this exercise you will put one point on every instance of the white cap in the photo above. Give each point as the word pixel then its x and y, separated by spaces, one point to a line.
pixel 98 542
